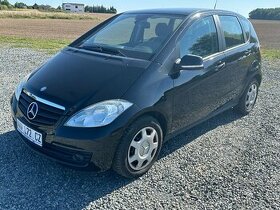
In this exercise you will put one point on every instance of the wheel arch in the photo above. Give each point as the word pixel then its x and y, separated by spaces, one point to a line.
pixel 258 77
pixel 160 117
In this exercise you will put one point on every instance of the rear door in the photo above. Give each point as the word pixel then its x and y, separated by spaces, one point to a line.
pixel 237 55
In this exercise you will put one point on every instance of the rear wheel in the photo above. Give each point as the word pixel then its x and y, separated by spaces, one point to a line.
pixel 139 148
pixel 249 98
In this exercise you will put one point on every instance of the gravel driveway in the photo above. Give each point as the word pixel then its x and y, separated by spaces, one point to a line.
pixel 228 162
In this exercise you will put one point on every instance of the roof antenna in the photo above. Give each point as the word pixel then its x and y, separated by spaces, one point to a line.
pixel 215 4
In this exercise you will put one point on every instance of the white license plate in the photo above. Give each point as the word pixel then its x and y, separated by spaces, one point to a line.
pixel 29 133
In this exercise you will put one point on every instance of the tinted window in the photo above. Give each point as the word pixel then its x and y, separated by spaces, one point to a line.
pixel 246 26
pixel 232 31
pixel 114 34
pixel 200 39
pixel 150 32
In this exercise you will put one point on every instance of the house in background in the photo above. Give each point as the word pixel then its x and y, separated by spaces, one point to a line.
pixel 73 7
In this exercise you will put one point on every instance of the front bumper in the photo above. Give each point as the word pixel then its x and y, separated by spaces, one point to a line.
pixel 78 147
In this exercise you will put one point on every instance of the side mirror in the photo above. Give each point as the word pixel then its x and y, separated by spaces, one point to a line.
pixel 189 62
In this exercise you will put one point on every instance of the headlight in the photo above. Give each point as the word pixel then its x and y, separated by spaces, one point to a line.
pixel 20 86
pixel 99 114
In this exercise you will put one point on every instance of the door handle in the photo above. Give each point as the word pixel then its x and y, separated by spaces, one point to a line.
pixel 220 66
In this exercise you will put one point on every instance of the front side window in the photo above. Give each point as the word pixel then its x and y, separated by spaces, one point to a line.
pixel 133 35
pixel 232 31
pixel 200 39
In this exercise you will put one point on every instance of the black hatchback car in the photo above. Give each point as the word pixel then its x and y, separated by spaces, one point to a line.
pixel 117 93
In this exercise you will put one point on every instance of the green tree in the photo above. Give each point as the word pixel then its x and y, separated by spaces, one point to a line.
pixel 20 5
pixel 5 2
pixel 35 6
pixel 100 9
pixel 265 14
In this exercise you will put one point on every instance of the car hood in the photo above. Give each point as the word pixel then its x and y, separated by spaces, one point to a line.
pixel 75 78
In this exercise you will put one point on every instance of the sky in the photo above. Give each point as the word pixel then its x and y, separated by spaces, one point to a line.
pixel 241 6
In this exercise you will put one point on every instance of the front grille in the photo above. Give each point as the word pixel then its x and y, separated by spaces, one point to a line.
pixel 47 115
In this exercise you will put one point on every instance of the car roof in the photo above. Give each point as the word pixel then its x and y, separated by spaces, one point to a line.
pixel 178 11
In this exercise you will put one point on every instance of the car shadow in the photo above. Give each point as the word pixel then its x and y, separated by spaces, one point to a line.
pixel 28 180
pixel 190 135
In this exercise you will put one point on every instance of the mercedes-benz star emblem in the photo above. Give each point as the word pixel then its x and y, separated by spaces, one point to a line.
pixel 32 110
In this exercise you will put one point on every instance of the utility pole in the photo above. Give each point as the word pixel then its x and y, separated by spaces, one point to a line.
pixel 215 4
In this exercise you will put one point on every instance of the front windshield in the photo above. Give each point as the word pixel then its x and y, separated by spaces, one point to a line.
pixel 133 35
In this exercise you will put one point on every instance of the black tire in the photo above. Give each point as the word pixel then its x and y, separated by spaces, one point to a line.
pixel 121 164
pixel 242 107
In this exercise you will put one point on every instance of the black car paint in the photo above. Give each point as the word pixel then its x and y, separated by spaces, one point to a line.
pixel 179 100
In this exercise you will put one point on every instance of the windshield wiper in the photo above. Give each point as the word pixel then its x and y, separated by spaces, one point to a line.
pixel 103 49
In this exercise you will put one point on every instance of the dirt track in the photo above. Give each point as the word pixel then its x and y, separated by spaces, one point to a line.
pixel 268 32
pixel 46 28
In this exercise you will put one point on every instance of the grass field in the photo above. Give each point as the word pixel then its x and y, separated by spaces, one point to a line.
pixel 44 34
pixel 36 14
pixel 49 45
pixel 46 28
pixel 53 34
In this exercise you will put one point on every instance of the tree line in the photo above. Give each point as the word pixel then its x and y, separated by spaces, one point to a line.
pixel 5 5
pixel 100 9
pixel 265 14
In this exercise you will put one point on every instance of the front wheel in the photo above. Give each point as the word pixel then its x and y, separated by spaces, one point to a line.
pixel 139 148
pixel 249 98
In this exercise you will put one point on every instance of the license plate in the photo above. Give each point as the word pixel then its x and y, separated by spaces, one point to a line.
pixel 29 133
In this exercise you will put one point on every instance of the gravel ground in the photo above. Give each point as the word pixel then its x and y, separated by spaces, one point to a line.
pixel 228 162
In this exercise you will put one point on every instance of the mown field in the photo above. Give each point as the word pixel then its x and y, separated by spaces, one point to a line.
pixel 45 34
pixel 53 34
pixel 268 32
pixel 36 14
pixel 46 28
pixel 269 35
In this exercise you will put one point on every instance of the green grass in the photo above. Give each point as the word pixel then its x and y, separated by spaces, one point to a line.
pixel 35 14
pixel 48 45
pixel 271 53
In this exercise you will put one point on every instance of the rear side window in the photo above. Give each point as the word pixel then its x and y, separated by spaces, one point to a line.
pixel 246 25
pixel 200 39
pixel 232 31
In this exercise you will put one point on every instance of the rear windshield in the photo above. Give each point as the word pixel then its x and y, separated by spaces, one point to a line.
pixel 133 35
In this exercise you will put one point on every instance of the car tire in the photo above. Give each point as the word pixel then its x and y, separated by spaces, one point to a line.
pixel 249 98
pixel 139 148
